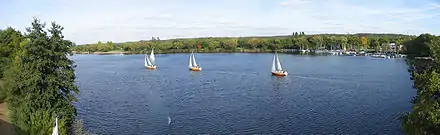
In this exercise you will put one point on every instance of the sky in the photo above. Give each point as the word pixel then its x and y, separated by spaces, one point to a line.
pixel 90 21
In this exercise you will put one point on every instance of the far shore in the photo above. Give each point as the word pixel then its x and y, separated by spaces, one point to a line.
pixel 176 51
pixel 218 51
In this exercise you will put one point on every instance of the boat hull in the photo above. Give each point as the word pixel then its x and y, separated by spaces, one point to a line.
pixel 150 67
pixel 279 73
pixel 195 68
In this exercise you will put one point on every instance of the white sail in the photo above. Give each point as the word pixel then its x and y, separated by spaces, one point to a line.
pixel 190 60
pixel 55 129
pixel 194 61
pixel 273 64
pixel 278 67
pixel 152 58
pixel 147 61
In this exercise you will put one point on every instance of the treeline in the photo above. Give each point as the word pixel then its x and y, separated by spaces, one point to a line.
pixel 424 118
pixel 38 79
pixel 298 40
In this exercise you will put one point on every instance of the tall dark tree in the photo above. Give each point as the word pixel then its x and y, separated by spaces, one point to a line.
pixel 40 82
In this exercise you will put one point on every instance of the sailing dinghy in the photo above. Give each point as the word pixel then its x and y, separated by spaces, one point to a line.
pixel 193 64
pixel 150 61
pixel 277 70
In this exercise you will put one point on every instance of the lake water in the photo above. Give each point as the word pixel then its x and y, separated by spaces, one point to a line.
pixel 236 94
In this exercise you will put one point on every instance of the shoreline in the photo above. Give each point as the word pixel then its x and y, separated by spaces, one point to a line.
pixel 292 51
pixel 175 51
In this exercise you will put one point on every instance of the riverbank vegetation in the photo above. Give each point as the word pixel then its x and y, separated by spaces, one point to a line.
pixel 424 118
pixel 296 41
pixel 38 79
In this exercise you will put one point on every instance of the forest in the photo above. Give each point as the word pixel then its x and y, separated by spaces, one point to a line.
pixel 298 41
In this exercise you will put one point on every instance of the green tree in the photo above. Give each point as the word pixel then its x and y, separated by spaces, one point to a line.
pixel 177 44
pixel 254 42
pixel 376 44
pixel 316 41
pixel 190 44
pixel 343 42
pixel 419 46
pixel 40 82
pixel 9 42
pixel 332 42
pixel 288 43
pixel 354 42
pixel 424 118
pixel 327 41
pixel 213 44
pixel 231 44
pixel 302 42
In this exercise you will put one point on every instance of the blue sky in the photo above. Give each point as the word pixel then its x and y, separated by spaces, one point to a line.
pixel 89 21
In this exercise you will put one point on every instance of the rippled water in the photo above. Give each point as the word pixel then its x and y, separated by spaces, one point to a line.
pixel 235 94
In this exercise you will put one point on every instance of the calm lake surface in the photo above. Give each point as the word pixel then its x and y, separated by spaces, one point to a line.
pixel 236 94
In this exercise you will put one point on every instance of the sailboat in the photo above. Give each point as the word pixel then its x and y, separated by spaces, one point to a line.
pixel 193 64
pixel 276 67
pixel 150 61
pixel 55 129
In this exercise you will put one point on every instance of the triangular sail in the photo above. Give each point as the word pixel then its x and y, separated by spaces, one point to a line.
pixel 55 129
pixel 190 60
pixel 152 58
pixel 194 61
pixel 278 67
pixel 273 64
pixel 147 61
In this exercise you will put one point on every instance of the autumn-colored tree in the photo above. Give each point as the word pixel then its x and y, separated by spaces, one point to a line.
pixel 364 42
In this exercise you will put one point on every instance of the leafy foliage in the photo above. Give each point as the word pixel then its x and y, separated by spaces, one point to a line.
pixel 298 40
pixel 419 46
pixel 9 41
pixel 424 118
pixel 40 81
